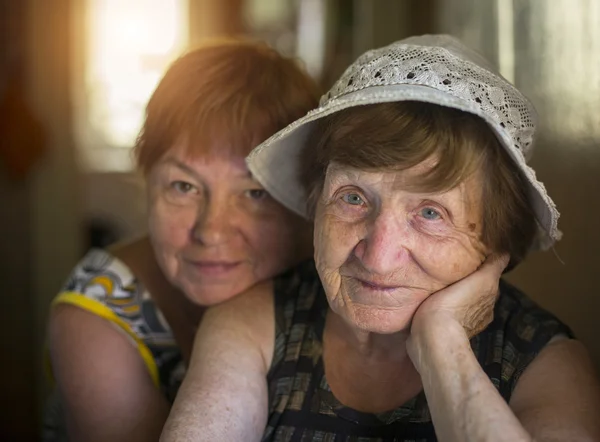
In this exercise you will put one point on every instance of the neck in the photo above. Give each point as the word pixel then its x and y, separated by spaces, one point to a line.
pixel 369 372
pixel 368 345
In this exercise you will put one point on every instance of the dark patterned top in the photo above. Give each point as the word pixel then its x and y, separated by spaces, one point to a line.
pixel 301 405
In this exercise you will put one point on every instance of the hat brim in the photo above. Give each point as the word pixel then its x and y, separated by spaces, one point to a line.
pixel 275 162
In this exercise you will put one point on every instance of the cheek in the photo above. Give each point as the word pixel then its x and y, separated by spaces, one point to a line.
pixel 334 242
pixel 269 239
pixel 448 260
pixel 170 228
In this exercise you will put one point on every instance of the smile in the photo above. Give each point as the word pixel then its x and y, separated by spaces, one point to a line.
pixel 377 287
pixel 213 268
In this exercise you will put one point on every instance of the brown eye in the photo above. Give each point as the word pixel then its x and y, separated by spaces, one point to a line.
pixel 183 187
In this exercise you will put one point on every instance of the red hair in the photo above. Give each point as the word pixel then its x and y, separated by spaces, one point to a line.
pixel 226 95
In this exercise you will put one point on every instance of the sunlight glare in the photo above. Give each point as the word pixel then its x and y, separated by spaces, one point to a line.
pixel 130 45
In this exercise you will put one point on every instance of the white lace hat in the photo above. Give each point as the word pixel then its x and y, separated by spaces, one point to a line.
pixel 435 69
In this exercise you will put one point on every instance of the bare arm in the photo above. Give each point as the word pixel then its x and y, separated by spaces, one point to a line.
pixel 105 387
pixel 556 399
pixel 224 395
pixel 464 404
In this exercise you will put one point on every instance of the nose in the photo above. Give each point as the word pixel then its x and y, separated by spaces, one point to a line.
pixel 386 244
pixel 213 224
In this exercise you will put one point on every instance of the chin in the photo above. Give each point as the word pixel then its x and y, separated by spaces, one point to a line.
pixel 382 321
pixel 208 291
pixel 207 298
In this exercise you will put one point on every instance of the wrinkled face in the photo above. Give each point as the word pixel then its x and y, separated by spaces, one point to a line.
pixel 215 231
pixel 381 250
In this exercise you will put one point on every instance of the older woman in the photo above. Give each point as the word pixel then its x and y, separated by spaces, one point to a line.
pixel 122 327
pixel 401 330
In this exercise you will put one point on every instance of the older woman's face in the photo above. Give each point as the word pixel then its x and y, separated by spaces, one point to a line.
pixel 214 230
pixel 381 250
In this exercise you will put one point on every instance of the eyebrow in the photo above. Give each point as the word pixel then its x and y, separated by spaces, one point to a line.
pixel 178 164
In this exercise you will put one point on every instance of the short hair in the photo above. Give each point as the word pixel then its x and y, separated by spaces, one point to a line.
pixel 400 135
pixel 227 95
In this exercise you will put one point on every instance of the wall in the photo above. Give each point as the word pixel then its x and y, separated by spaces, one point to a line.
pixel 55 229
pixel 17 368
pixel 557 61
pixel 552 52
pixel 16 305
pixel 39 220
pixel 117 198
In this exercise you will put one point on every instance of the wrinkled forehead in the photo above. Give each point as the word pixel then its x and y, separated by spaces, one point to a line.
pixel 403 177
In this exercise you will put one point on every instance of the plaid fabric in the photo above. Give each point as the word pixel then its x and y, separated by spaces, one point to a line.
pixel 301 405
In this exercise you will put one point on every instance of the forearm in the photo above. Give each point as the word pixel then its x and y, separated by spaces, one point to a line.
pixel 235 411
pixel 464 404
pixel 224 394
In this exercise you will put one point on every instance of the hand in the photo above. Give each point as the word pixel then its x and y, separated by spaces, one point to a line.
pixel 469 302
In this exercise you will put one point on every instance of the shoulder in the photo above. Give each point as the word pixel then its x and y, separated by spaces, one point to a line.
pixel 558 395
pixel 114 284
pixel 101 378
pixel 248 307
pixel 527 324
pixel 104 286
pixel 104 302
pixel 83 345
pixel 101 276
pixel 243 324
pixel 267 311
pixel 520 330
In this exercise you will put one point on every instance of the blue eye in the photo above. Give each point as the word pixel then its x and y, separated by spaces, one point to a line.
pixel 353 199
pixel 183 187
pixel 256 194
pixel 430 214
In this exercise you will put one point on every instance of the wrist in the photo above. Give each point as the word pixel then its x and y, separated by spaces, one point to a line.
pixel 436 326
pixel 432 337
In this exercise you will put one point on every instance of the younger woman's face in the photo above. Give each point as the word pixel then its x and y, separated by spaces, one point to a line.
pixel 215 230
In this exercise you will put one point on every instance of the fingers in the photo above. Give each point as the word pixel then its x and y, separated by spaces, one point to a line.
pixel 494 264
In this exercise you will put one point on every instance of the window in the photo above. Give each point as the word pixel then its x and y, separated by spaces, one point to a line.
pixel 127 47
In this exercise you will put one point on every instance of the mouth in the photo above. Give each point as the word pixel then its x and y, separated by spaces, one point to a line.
pixel 372 285
pixel 214 268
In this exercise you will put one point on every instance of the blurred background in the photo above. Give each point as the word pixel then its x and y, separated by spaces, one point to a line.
pixel 75 76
